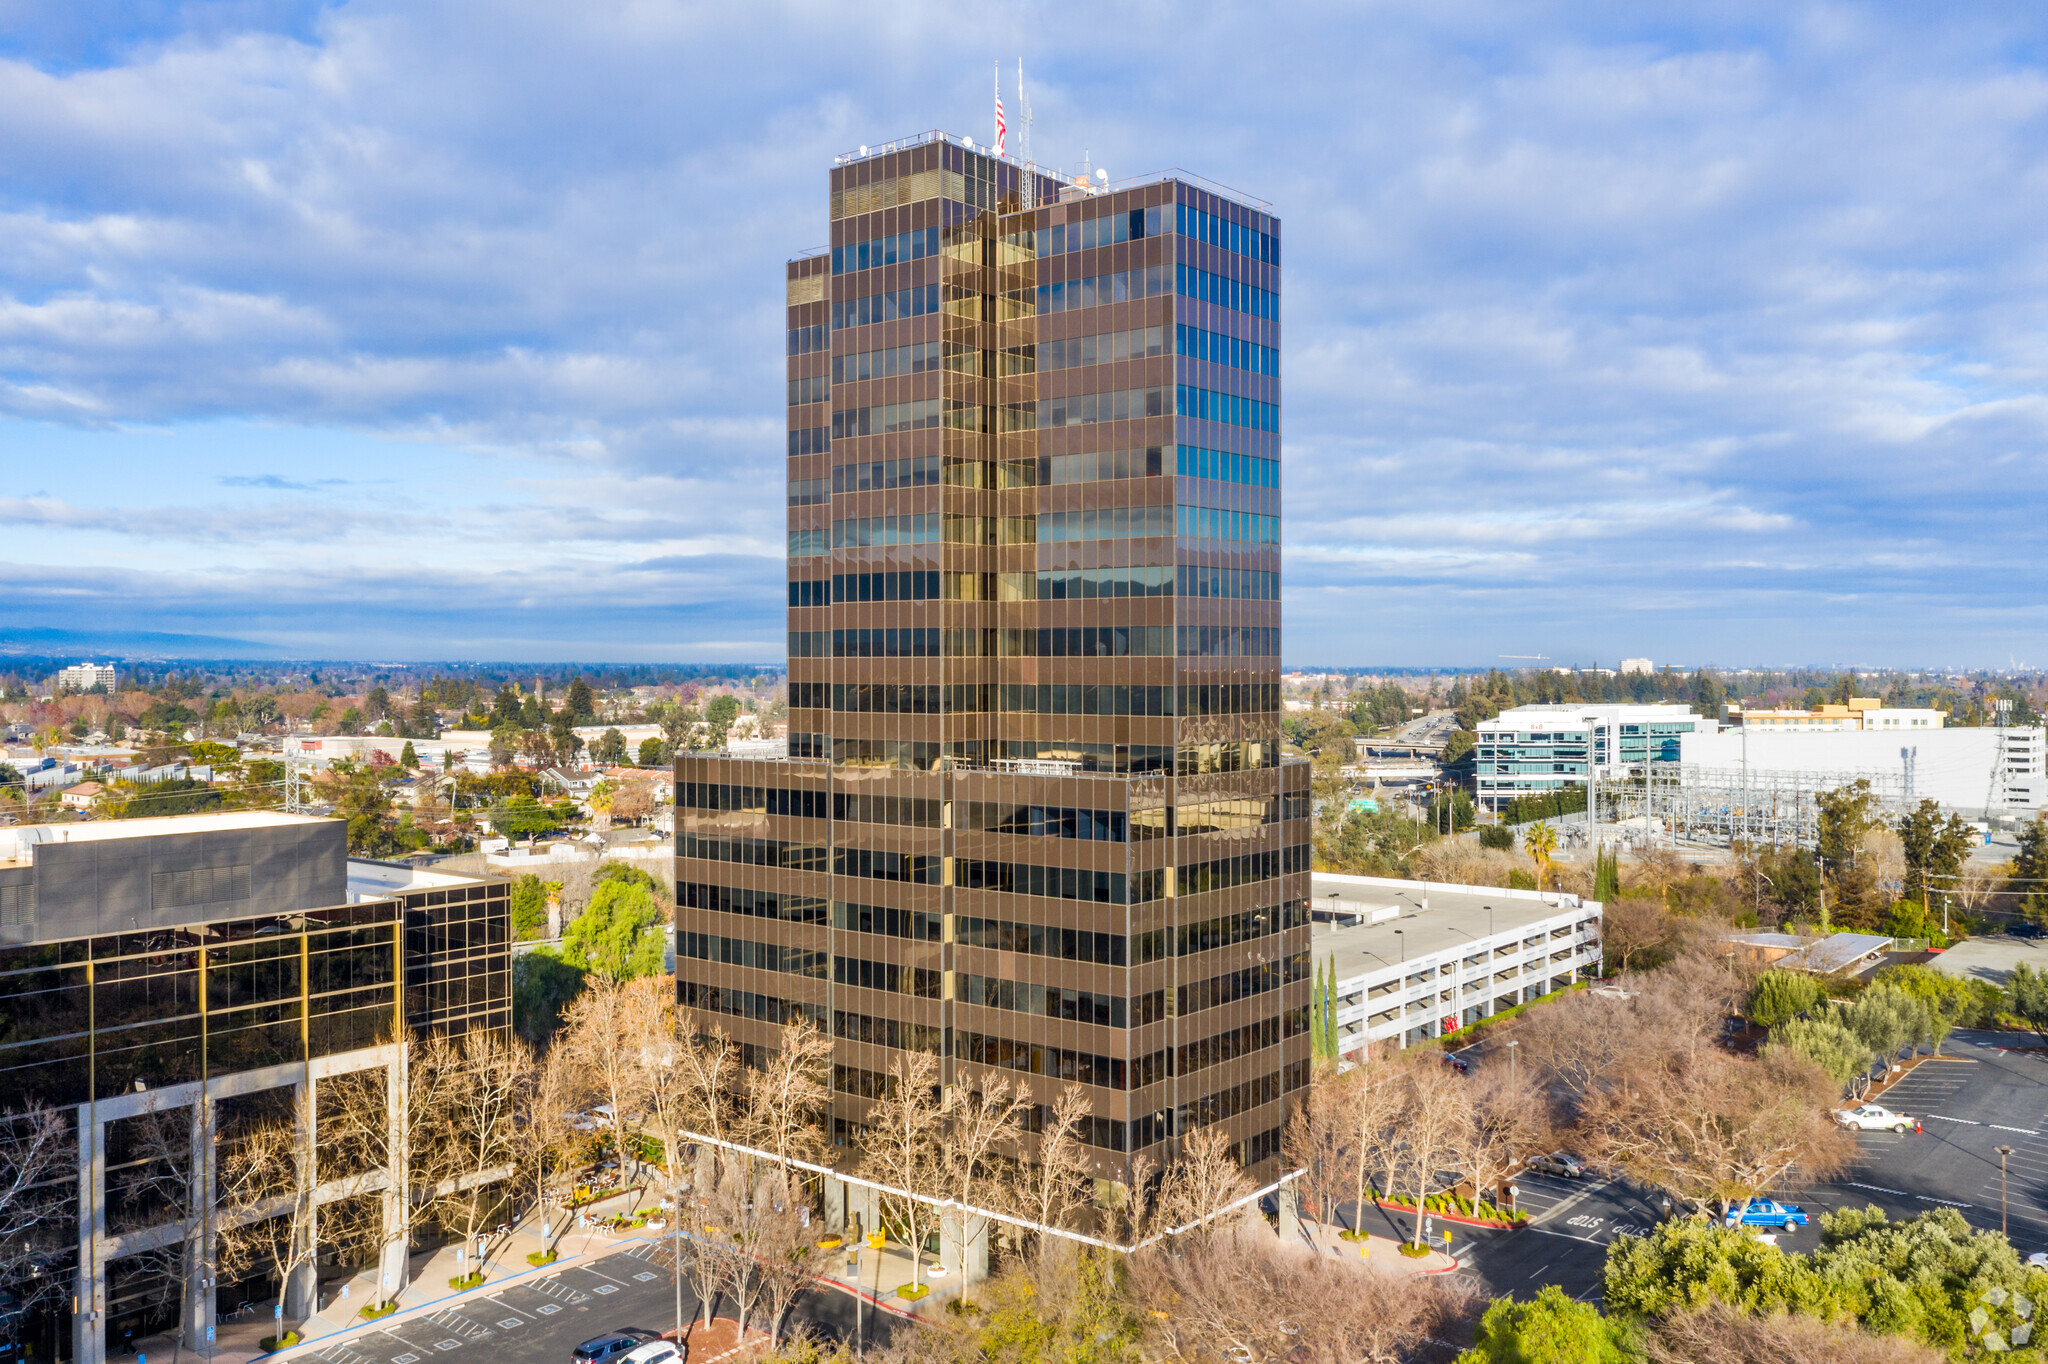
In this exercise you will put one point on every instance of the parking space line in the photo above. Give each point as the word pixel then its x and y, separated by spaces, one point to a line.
pixel 2003 1128
pixel 1967 1122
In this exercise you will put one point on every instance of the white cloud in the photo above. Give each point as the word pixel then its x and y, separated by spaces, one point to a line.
pixel 1583 307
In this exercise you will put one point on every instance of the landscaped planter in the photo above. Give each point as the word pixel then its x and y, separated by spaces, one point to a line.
pixel 542 1257
pixel 284 1342
pixel 1437 1207
pixel 463 1283
pixel 371 1311
pixel 830 1243
pixel 913 1291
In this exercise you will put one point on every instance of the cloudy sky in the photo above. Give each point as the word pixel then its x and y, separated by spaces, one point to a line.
pixel 449 329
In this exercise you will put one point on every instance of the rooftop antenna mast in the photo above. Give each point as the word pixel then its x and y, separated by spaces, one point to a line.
pixel 1024 111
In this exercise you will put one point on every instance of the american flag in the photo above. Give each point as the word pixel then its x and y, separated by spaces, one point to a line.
pixel 1001 127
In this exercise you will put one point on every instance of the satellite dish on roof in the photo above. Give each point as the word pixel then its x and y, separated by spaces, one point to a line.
pixel 1102 174
pixel 863 149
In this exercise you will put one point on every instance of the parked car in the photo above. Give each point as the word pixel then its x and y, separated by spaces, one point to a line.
pixel 1558 1163
pixel 1872 1118
pixel 612 1345
pixel 1767 1212
pixel 656 1352
pixel 1457 1063
pixel 2039 1259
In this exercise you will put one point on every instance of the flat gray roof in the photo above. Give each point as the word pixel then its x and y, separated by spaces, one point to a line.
pixel 1456 918
pixel 1991 958
pixel 16 843
pixel 368 877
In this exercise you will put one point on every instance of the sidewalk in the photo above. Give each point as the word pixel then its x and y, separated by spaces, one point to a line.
pixel 426 1288
pixel 428 1272
pixel 881 1273
pixel 1383 1251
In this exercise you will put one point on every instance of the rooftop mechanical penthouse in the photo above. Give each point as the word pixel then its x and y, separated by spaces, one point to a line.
pixel 1032 815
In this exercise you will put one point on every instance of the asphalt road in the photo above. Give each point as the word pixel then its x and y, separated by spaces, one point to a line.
pixel 539 1321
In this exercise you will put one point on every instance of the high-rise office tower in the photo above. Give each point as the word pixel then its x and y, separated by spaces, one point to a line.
pixel 1032 815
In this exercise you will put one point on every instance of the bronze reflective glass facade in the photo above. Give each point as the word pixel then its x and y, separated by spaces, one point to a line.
pixel 1033 815
pixel 87 1018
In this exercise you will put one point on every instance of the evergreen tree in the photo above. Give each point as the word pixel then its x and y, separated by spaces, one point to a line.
pixel 1606 876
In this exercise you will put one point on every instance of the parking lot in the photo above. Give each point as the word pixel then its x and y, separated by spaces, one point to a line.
pixel 1982 1094
pixel 544 1319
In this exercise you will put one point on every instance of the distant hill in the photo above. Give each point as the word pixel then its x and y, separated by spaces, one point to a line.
pixel 40 641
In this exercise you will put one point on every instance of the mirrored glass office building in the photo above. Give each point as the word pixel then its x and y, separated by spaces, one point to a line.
pixel 174 974
pixel 1032 815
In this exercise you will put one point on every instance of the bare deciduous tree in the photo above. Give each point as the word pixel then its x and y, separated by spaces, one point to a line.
pixel 549 1138
pixel 784 1250
pixel 602 1032
pixel 1717 1129
pixel 904 1148
pixel 1054 1181
pixel 711 1071
pixel 37 1150
pixel 788 1094
pixel 472 1095
pixel 1317 1141
pixel 1435 1120
pixel 265 1194
pixel 1200 1185
pixel 1245 1295
pixel 984 1118
pixel 762 1220
pixel 702 1251
pixel 1510 1120
pixel 1633 929
pixel 160 1188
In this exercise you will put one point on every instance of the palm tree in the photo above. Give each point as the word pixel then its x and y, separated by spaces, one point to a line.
pixel 1541 841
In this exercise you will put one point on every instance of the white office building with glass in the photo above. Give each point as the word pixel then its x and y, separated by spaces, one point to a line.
pixel 1535 750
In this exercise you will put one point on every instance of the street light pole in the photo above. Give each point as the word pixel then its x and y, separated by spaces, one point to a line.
pixel 1511 1061
pixel 2003 1152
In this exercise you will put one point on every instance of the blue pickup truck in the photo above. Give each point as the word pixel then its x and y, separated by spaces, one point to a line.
pixel 1767 1212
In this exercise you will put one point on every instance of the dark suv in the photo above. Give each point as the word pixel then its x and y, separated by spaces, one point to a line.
pixel 611 1345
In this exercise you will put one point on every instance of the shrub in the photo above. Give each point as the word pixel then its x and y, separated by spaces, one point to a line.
pixel 913 1291
pixel 283 1342
pixel 1412 1251
pixel 371 1311
pixel 542 1257
pixel 464 1282
pixel 1498 837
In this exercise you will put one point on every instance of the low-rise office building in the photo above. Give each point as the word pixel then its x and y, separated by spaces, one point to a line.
pixel 1535 750
pixel 1861 713
pixel 152 969
pixel 1416 960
